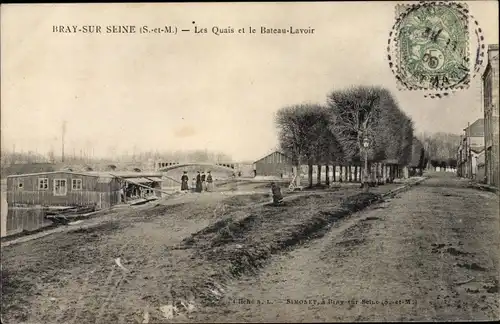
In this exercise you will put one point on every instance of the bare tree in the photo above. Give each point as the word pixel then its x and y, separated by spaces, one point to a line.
pixel 370 113
pixel 440 147
pixel 304 134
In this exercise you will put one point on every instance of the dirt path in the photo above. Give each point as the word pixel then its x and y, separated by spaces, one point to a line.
pixel 72 277
pixel 430 254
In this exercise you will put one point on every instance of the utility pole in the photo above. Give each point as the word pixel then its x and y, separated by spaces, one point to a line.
pixel 62 140
pixel 469 151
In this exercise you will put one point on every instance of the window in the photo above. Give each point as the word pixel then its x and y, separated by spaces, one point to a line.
pixel 20 185
pixel 43 184
pixel 76 184
pixel 60 188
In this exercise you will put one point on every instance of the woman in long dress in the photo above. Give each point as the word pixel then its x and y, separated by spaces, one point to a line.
pixel 184 181
pixel 198 182
pixel 210 181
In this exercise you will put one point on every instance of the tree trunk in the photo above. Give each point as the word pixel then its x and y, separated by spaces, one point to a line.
pixel 366 177
pixel 369 172
pixel 297 175
pixel 377 173
pixel 327 178
pixel 310 174
pixel 319 174
pixel 383 173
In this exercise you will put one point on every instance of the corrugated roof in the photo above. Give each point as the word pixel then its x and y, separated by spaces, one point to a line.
pixel 157 179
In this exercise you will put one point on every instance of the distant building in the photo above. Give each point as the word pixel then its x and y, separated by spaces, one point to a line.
pixel 491 116
pixel 276 164
pixel 471 145
pixel 474 134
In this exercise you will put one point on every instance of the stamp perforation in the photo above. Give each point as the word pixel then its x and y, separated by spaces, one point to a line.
pixel 402 11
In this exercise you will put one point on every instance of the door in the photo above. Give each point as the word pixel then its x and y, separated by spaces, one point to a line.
pixel 60 187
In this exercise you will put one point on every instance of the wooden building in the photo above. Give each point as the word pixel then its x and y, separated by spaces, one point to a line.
pixel 275 164
pixel 79 189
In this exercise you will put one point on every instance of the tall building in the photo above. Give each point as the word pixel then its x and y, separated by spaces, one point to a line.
pixel 491 117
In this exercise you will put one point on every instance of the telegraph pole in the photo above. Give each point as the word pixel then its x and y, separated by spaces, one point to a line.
pixel 469 151
pixel 62 140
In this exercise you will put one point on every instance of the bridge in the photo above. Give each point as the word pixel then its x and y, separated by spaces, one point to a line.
pixel 166 166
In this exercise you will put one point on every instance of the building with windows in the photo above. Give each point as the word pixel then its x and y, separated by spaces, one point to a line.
pixel 491 117
pixel 79 189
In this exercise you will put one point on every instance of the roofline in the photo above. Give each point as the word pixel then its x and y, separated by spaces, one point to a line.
pixel 88 174
pixel 275 151
pixel 477 120
pixel 49 172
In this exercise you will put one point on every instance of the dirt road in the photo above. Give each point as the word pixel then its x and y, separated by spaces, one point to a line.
pixel 430 254
pixel 178 257
pixel 73 277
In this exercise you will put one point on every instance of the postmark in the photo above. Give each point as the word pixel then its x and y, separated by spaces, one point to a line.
pixel 429 47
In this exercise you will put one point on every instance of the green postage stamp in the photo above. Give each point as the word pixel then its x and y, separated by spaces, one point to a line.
pixel 431 46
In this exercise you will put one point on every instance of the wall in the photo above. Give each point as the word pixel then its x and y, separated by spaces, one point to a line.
pixel 491 112
pixel 476 141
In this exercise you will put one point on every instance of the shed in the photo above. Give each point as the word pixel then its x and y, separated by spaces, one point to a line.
pixel 79 189
pixel 274 164
pixel 63 188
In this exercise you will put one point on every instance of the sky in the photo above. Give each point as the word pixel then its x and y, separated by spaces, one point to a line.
pixel 129 92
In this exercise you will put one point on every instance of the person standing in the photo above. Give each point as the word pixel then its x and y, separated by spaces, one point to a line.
pixel 203 181
pixel 198 182
pixel 184 181
pixel 193 185
pixel 123 192
pixel 210 181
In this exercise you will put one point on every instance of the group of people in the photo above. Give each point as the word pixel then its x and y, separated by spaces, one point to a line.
pixel 202 182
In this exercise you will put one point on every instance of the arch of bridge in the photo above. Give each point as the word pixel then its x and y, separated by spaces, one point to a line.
pixel 226 166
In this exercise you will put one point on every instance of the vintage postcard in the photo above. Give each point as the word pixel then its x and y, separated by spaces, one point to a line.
pixel 250 162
